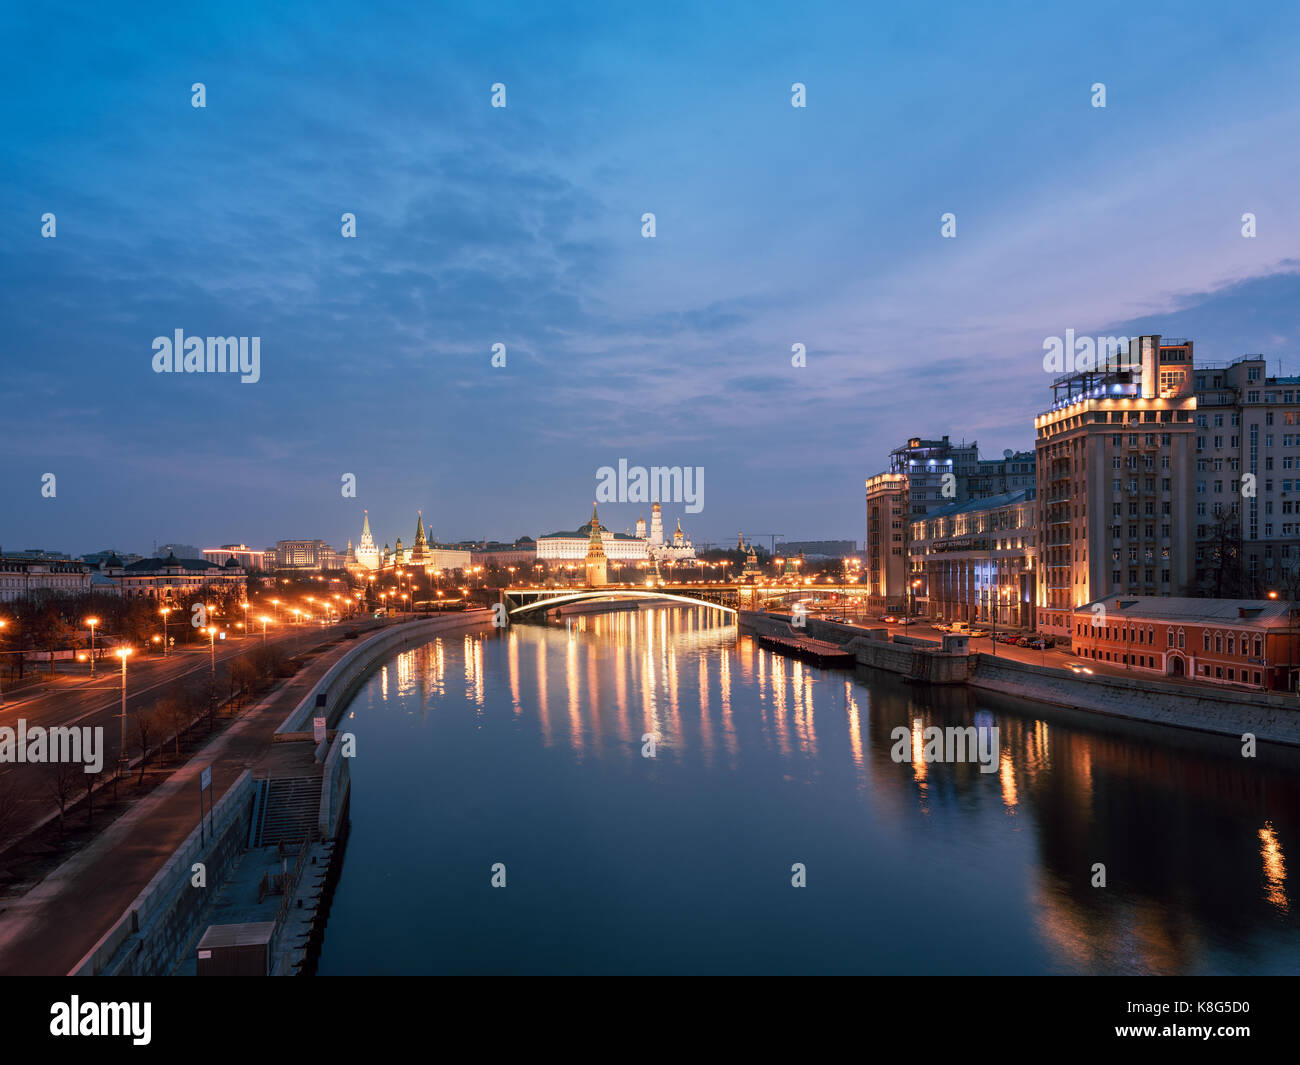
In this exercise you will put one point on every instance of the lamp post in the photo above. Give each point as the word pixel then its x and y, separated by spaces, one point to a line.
pixel 164 612
pixel 245 606
pixel 92 622
pixel 3 623
pixel 122 653
pixel 263 619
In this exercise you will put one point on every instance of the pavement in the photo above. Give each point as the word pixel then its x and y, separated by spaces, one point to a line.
pixel 48 930
pixel 97 702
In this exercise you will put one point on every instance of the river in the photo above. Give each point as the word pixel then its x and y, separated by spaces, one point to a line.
pixel 522 756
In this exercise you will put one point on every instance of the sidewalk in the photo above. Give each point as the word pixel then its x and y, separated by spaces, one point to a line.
pixel 48 930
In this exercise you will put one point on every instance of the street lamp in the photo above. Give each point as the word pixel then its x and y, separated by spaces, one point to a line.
pixel 164 612
pixel 122 653
pixel 92 622
pixel 264 619
pixel 3 623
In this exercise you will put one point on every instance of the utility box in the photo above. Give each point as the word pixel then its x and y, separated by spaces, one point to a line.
pixel 956 644
pixel 236 949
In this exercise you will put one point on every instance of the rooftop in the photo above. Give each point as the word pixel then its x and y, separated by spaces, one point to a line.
pixel 1271 613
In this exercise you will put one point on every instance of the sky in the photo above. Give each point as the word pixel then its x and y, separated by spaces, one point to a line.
pixel 522 225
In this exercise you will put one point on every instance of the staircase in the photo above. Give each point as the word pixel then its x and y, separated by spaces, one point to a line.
pixel 287 812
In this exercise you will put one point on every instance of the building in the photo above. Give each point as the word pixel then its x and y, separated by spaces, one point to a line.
pixel 1253 643
pixel 925 476
pixel 595 561
pixel 887 522
pixel 23 577
pixel 1247 479
pixel 250 558
pixel 678 549
pixel 1114 475
pixel 495 555
pixel 816 550
pixel 314 555
pixel 975 561
pixel 366 554
pixel 179 550
pixel 171 577
pixel 1012 472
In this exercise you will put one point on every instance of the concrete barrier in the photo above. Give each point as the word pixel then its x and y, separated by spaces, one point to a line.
pixel 1269 717
pixel 346 674
pixel 148 937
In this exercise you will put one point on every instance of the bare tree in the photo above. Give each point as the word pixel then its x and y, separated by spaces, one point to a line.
pixel 10 802
pixel 144 731
pixel 88 781
pixel 61 778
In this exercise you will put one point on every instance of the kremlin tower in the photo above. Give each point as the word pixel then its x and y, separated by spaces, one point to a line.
pixel 596 563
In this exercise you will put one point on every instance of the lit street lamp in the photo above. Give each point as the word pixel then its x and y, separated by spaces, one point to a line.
pixel 92 622
pixel 122 653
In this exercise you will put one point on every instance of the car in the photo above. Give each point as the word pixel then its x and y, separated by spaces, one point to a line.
pixel 977 634
pixel 889 619
pixel 1022 641
pixel 1079 667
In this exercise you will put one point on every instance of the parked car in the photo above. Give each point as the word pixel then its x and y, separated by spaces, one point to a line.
pixel 889 619
pixel 1022 641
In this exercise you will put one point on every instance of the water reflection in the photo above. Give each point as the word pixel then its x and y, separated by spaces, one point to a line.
pixel 920 866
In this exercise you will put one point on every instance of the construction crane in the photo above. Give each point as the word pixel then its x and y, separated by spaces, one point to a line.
pixel 773 540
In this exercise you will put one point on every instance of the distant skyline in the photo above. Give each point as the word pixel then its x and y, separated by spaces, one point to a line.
pixel 522 226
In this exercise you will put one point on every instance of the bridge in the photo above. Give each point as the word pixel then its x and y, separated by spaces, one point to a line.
pixel 727 598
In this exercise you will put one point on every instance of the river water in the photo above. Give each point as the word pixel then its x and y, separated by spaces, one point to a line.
pixel 523 750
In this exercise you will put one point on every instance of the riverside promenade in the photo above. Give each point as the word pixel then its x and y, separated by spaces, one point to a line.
pixel 1270 717
pixel 48 930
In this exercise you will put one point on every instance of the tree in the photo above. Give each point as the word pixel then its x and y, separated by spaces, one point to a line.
pixel 1220 573
pixel 145 726
pixel 61 778
pixel 88 781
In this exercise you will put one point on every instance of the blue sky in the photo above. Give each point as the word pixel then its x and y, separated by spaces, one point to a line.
pixel 521 225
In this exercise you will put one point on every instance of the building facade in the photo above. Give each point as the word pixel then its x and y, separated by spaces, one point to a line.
pixel 249 557
pixel 975 561
pixel 171 577
pixel 1252 643
pixel 22 577
pixel 314 555
pixel 1114 472
pixel 887 521
pixel 1247 479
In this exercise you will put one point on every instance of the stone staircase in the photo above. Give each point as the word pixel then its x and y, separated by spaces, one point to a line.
pixel 287 811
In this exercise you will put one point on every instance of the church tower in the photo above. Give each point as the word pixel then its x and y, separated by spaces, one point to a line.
pixel 656 526
pixel 419 552
pixel 367 554
pixel 596 563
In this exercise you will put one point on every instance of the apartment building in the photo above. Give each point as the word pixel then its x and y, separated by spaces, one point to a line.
pixel 925 476
pixel 975 561
pixel 1247 479
pixel 1115 457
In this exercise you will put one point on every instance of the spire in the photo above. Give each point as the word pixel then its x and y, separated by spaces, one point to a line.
pixel 419 527
pixel 595 525
pixel 365 527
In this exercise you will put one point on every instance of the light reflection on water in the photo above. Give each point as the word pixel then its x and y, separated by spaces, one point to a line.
pixel 526 747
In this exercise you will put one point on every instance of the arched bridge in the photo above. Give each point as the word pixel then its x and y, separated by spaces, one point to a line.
pixel 728 598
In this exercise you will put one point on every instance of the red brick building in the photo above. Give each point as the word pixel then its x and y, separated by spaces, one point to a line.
pixel 1252 643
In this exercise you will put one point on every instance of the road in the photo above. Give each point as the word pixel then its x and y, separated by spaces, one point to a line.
pixel 98 703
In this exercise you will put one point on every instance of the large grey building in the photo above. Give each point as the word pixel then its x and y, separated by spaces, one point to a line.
pixel 1247 480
